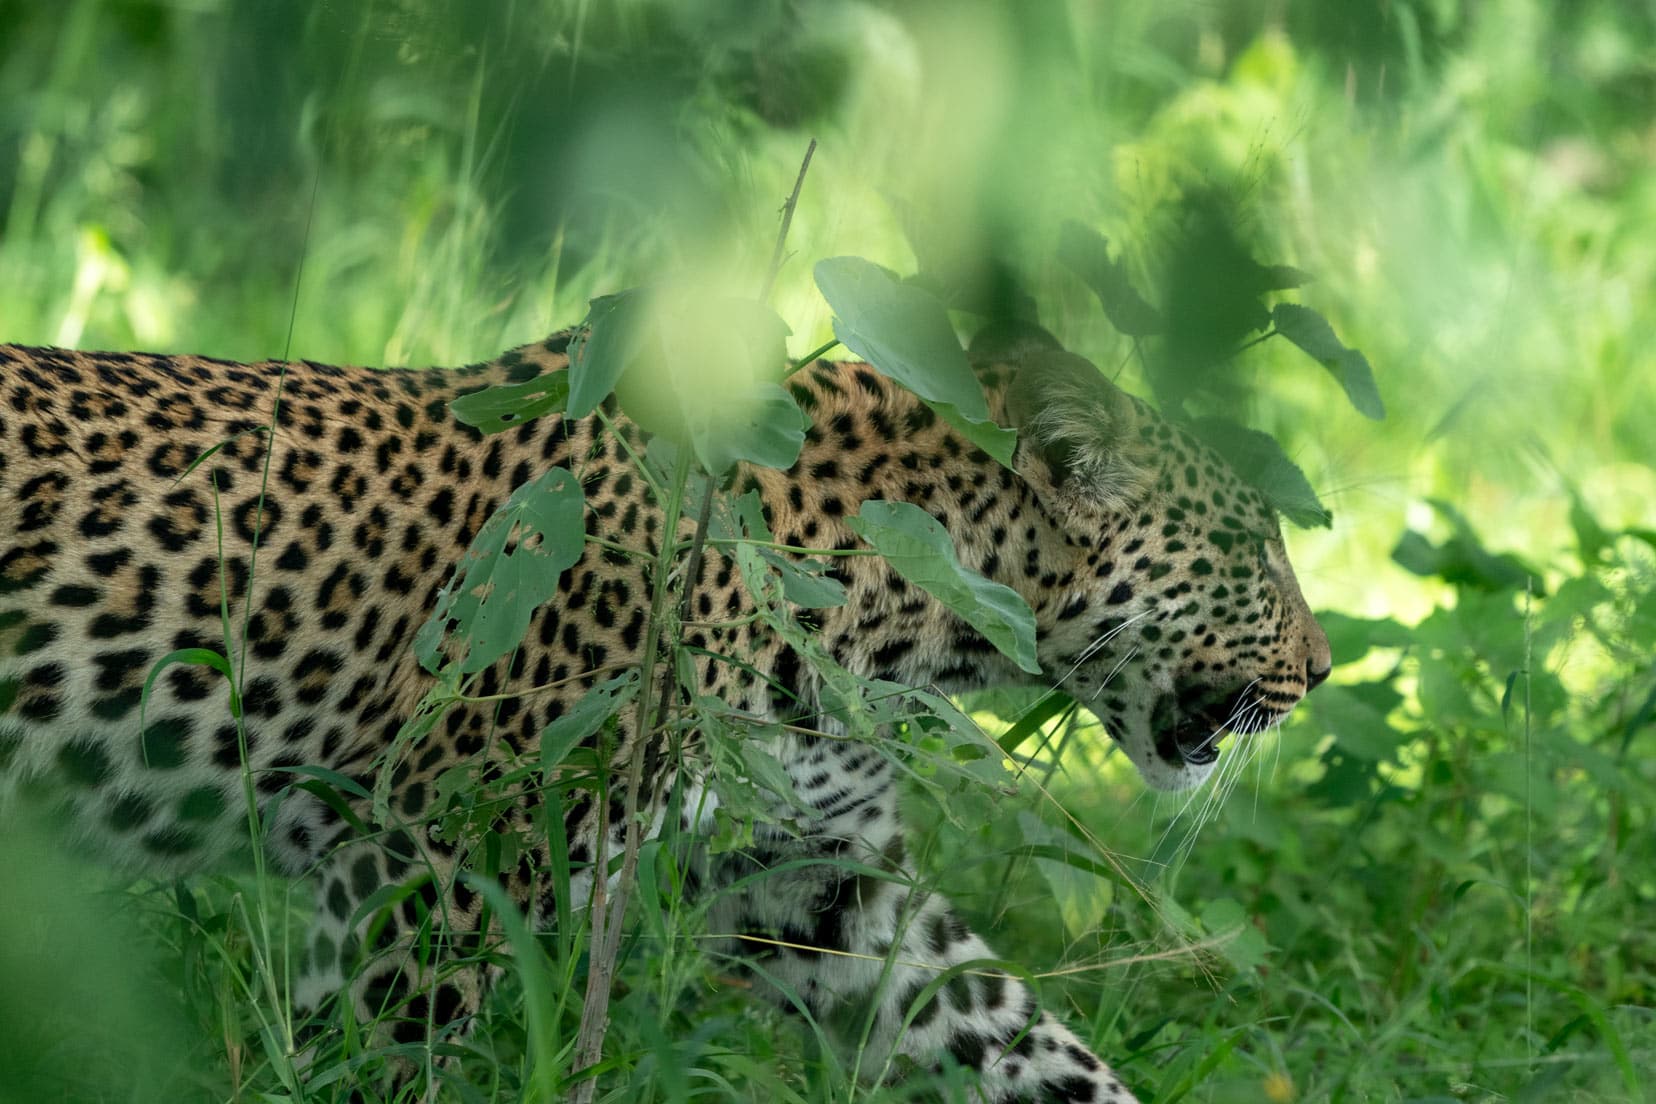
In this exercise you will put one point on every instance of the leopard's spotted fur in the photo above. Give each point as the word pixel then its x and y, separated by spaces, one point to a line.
pixel 1163 598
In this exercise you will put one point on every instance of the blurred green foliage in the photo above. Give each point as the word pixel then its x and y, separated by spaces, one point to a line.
pixel 1442 871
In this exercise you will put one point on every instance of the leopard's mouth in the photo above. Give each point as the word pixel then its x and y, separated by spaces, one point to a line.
pixel 1189 724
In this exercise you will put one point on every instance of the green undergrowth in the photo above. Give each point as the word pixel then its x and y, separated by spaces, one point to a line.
pixel 1434 884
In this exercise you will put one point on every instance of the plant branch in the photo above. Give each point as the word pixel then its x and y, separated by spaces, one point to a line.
pixel 787 221
pixel 608 917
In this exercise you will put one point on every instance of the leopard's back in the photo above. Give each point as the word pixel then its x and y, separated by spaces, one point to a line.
pixel 132 488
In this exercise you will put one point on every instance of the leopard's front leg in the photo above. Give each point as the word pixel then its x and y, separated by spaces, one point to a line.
pixel 860 947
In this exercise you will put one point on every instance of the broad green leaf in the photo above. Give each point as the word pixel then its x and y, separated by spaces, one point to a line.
pixel 764 426
pixel 904 332
pixel 608 342
pixel 585 717
pixel 1082 896
pixel 1259 460
pixel 1358 728
pixel 1312 333
pixel 1087 253
pixel 918 548
pixel 1350 638
pixel 510 405
pixel 512 567
pixel 706 372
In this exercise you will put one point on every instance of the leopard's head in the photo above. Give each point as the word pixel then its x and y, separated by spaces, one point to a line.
pixel 1182 620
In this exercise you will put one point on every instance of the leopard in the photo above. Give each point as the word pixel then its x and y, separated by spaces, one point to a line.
pixel 150 501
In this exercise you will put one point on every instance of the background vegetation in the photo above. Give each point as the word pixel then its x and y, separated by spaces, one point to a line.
pixel 1435 884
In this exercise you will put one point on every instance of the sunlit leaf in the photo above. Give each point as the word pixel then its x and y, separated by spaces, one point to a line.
pixel 904 332
pixel 706 372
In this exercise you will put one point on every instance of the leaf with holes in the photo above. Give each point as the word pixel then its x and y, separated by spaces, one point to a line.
pixel 608 342
pixel 512 567
pixel 510 405
pixel 918 548
pixel 904 332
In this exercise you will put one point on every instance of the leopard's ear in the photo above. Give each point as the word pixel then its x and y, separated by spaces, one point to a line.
pixel 1086 430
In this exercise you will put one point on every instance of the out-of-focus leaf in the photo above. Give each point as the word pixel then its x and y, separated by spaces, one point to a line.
pixel 1259 460
pixel 1282 277
pixel 1087 253
pixel 1350 638
pixel 1591 537
pixel 1312 333
pixel 1462 559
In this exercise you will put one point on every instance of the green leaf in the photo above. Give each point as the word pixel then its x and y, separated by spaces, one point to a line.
pixel 764 426
pixel 904 332
pixel 918 548
pixel 510 405
pixel 512 567
pixel 1359 728
pixel 1312 333
pixel 705 370
pixel 1050 705
pixel 1087 253
pixel 804 582
pixel 1350 638
pixel 586 717
pixel 1259 460
pixel 971 753
pixel 1462 559
pixel 1591 537
pixel 609 341
pixel 1281 277
pixel 193 657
